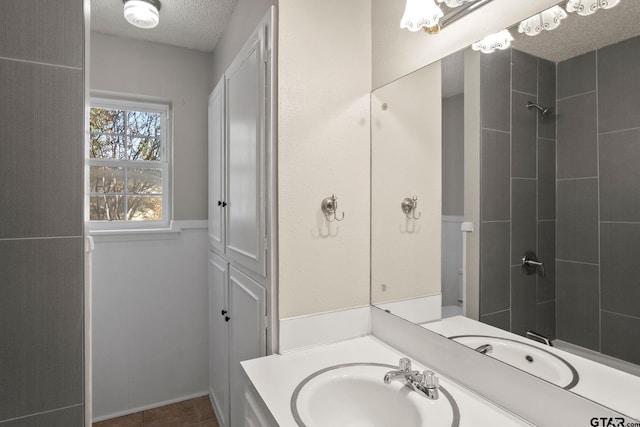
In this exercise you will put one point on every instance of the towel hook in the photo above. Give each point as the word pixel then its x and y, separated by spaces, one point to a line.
pixel 329 207
pixel 409 206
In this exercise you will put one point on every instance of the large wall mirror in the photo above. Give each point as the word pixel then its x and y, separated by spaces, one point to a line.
pixel 546 135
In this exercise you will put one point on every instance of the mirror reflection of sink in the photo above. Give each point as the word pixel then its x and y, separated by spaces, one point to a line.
pixel 355 395
pixel 526 357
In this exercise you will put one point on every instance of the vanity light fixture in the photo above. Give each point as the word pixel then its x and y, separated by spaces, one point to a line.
pixel 587 7
pixel 455 3
pixel 546 20
pixel 142 13
pixel 498 41
pixel 419 14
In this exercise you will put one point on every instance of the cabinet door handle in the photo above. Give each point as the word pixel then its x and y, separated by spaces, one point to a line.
pixel 227 318
pixel 224 204
pixel 219 202
pixel 223 312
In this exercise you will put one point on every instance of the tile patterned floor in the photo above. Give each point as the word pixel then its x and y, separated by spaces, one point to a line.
pixel 190 413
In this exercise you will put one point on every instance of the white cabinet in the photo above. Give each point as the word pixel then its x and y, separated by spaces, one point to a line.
pixel 238 134
pixel 256 413
pixel 217 128
pixel 237 310
pixel 241 172
pixel 219 337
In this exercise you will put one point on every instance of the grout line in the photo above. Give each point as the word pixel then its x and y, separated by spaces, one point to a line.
pixel 576 95
pixel 10 239
pixel 576 262
pixel 618 131
pixel 51 411
pixel 41 63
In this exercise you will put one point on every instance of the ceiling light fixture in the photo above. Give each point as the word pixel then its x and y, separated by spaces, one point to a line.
pixel 498 41
pixel 420 14
pixel 587 7
pixel 546 20
pixel 142 13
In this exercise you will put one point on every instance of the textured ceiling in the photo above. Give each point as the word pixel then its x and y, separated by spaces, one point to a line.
pixel 194 24
pixel 580 34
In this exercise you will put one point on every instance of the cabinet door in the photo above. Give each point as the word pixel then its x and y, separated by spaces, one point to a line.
pixel 217 201
pixel 247 333
pixel 219 338
pixel 245 117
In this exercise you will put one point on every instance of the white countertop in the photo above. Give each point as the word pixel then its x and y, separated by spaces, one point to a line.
pixel 610 387
pixel 275 378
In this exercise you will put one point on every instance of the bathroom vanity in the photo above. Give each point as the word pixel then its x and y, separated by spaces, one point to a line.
pixel 348 386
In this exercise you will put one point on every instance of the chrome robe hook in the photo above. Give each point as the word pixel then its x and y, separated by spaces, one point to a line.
pixel 329 207
pixel 409 206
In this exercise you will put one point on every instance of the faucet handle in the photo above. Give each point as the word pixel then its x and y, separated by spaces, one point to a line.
pixel 405 364
pixel 430 380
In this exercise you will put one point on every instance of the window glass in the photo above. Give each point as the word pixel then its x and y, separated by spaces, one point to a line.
pixel 128 168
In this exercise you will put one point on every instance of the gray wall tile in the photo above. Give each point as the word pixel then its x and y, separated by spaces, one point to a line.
pixel 619 176
pixel 42 31
pixel 577 75
pixel 67 417
pixel 547 97
pixel 577 137
pixel 41 325
pixel 42 143
pixel 523 218
pixel 500 320
pixel 546 319
pixel 523 136
pixel 619 263
pixel 546 179
pixel 523 301
pixel 546 286
pixel 496 179
pixel 620 336
pixel 619 86
pixel 525 72
pixel 577 304
pixel 577 223
pixel 495 90
pixel 494 267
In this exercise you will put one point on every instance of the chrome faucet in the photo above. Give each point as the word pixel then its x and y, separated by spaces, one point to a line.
pixel 485 349
pixel 425 384
pixel 539 337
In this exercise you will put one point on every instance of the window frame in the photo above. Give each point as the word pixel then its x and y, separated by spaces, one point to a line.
pixel 164 164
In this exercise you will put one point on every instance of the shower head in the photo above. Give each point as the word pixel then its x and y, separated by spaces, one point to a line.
pixel 545 112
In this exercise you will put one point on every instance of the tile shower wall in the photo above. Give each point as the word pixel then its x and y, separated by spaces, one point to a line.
pixel 518 192
pixel 41 244
pixel 598 297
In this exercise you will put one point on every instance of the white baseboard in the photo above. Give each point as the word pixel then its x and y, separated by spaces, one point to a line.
pixel 150 406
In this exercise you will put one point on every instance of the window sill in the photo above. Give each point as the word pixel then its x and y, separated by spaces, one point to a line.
pixel 136 234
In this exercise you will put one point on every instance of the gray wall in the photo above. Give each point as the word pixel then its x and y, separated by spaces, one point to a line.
pixel 453 155
pixel 172 74
pixel 518 192
pixel 599 200
pixel 41 220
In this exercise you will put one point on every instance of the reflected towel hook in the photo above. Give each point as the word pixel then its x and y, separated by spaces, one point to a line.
pixel 409 206
pixel 329 207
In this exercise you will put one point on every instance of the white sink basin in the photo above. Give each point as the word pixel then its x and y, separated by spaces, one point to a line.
pixel 528 358
pixel 354 395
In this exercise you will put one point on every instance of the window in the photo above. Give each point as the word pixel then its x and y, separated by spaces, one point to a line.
pixel 128 164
